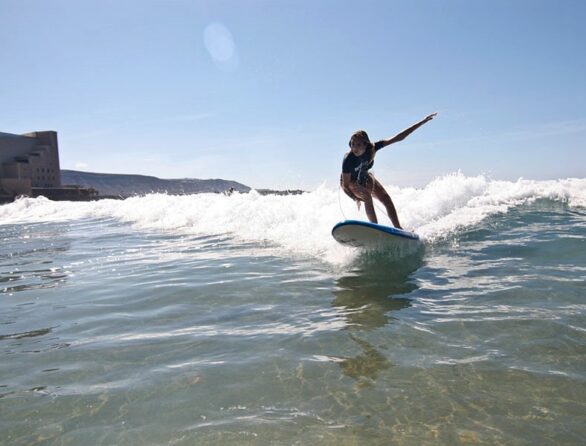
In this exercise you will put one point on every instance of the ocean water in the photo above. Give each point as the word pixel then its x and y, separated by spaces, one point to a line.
pixel 213 319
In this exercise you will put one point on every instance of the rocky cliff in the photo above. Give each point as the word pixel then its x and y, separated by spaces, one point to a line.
pixel 129 185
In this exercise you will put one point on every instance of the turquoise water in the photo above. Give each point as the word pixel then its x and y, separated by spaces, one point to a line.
pixel 209 319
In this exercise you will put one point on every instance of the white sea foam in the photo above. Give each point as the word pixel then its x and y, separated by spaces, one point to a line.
pixel 301 224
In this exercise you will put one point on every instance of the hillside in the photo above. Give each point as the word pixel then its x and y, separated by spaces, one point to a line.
pixel 128 185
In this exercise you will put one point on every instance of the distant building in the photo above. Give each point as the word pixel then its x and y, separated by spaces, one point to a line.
pixel 29 160
pixel 29 165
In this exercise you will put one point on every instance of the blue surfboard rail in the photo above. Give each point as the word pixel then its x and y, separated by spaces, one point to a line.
pixel 387 229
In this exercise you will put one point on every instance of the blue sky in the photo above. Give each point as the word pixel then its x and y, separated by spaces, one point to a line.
pixel 268 92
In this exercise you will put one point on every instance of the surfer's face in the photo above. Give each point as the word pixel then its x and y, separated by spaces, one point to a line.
pixel 357 146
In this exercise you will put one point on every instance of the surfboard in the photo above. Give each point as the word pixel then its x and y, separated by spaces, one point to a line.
pixel 363 234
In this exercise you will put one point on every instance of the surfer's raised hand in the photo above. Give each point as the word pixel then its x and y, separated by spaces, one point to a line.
pixel 402 135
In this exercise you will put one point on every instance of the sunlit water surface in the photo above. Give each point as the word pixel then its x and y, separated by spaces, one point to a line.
pixel 137 323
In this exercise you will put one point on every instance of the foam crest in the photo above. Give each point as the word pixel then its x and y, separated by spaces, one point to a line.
pixel 455 202
pixel 301 224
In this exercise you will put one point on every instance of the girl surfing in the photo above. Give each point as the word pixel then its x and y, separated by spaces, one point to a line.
pixel 358 183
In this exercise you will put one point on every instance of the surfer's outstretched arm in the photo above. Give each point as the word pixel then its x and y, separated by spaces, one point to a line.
pixel 402 135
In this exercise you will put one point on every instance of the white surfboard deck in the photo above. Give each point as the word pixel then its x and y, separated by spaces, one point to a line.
pixel 363 234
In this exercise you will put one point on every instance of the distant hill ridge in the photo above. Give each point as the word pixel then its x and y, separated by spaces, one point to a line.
pixel 129 185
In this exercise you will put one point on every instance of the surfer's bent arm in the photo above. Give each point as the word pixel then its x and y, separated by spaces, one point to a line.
pixel 345 180
pixel 402 135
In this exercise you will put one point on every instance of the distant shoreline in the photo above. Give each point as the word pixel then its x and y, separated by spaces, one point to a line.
pixel 122 186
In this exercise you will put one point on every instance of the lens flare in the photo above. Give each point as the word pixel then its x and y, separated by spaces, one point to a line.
pixel 219 42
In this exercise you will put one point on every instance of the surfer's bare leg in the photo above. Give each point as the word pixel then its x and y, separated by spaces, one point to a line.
pixel 369 208
pixel 364 195
pixel 381 194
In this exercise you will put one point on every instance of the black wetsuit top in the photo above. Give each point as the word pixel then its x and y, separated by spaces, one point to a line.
pixel 358 166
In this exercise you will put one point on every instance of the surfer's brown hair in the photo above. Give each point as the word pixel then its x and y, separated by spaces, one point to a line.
pixel 361 135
